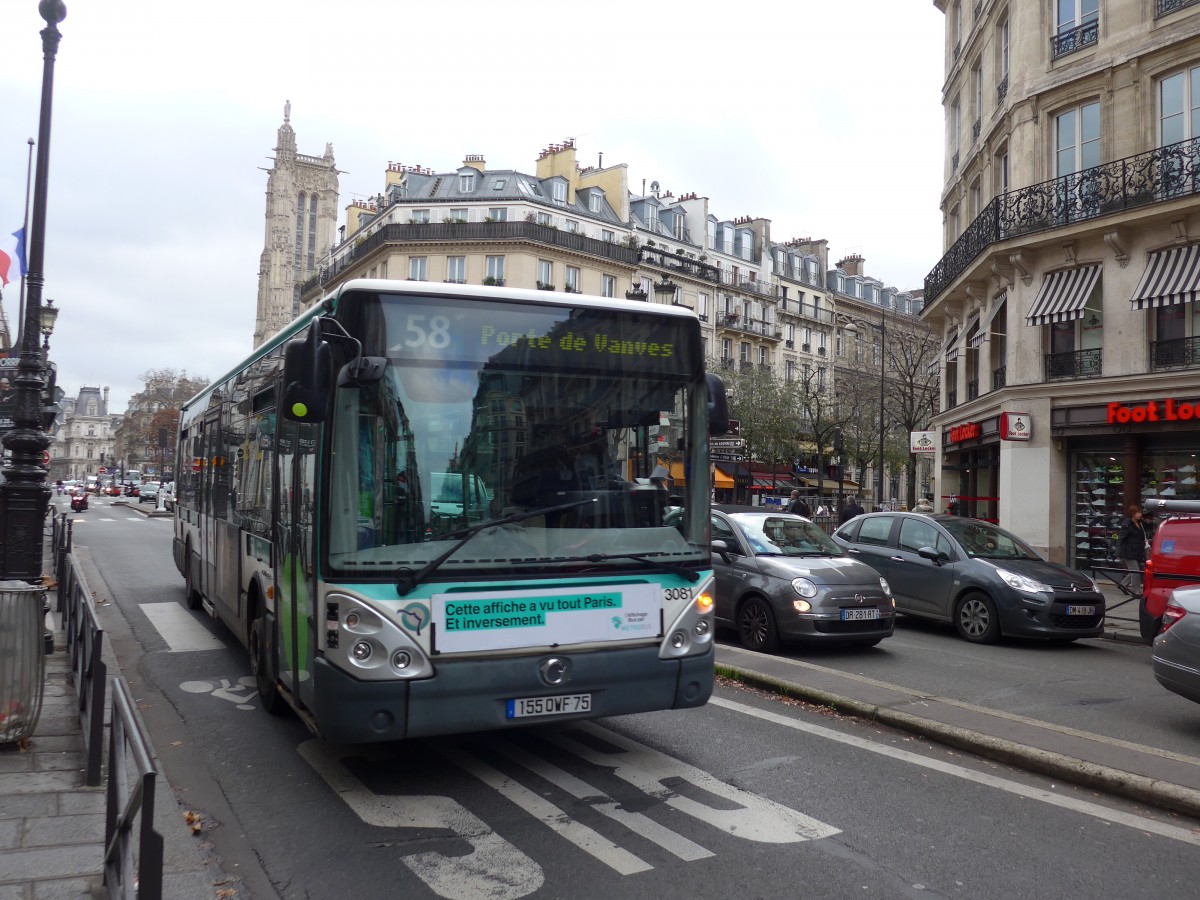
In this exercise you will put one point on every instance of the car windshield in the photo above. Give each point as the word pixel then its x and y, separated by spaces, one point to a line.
pixel 784 535
pixel 986 541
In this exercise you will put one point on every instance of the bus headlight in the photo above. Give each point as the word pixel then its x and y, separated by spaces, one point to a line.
pixel 362 651
pixel 691 633
pixel 371 643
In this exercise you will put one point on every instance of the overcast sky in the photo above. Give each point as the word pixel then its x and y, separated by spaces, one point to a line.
pixel 824 117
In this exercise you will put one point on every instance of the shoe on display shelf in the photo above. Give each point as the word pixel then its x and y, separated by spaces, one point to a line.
pixel 1167 492
pixel 1189 469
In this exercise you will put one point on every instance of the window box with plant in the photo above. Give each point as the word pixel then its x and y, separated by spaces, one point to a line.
pixel 543 286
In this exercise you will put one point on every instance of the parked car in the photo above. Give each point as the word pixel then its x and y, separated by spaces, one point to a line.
pixel 148 492
pixel 781 579
pixel 983 579
pixel 1176 653
pixel 1174 560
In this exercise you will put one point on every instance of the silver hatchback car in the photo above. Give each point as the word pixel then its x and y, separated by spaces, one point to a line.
pixel 780 578
pixel 1176 654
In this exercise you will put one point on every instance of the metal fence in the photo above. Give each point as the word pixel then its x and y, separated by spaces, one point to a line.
pixel 85 639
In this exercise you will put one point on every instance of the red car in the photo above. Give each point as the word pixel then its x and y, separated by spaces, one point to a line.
pixel 1174 559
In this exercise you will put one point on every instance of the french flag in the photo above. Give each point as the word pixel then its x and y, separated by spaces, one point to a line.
pixel 12 256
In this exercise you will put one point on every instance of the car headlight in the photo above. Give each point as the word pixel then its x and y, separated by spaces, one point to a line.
pixel 804 587
pixel 887 588
pixel 1022 583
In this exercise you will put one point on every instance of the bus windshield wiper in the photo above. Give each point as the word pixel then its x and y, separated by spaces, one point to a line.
pixel 407 579
pixel 667 567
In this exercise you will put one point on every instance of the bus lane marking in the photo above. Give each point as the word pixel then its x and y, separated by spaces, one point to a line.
pixel 179 628
pixel 494 868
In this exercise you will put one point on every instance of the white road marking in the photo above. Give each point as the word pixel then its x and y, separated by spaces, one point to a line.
pixel 108 520
pixel 494 868
pixel 178 628
pixel 586 839
pixel 604 804
pixel 1081 806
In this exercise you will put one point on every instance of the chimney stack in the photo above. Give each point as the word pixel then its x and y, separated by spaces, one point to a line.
pixel 852 264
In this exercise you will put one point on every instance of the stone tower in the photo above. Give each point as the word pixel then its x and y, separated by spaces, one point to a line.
pixel 301 221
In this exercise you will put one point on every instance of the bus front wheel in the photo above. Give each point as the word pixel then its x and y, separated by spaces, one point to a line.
pixel 260 664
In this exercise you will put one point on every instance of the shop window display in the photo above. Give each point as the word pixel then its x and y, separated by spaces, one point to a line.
pixel 1099 492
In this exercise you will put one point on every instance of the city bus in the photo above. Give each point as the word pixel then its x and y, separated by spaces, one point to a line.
pixel 426 509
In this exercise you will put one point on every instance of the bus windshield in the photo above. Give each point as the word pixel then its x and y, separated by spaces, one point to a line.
pixel 490 409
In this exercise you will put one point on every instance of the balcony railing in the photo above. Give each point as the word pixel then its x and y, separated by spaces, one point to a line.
pixel 951 399
pixel 461 232
pixel 1175 354
pixel 1074 364
pixel 1156 176
pixel 678 263
pixel 999 378
pixel 1162 7
pixel 1076 39
pixel 1002 90
pixel 975 129
pixel 972 390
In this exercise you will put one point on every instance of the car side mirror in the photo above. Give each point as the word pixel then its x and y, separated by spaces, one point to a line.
pixel 722 547
pixel 937 557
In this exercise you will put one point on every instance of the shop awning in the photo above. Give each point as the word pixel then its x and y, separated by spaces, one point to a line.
pixel 722 480
pixel 985 324
pixel 961 343
pixel 828 484
pixel 950 348
pixel 1063 295
pixel 1171 277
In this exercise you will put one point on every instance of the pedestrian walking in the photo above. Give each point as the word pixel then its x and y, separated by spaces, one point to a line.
pixel 924 505
pixel 1133 542
pixel 850 510
pixel 797 505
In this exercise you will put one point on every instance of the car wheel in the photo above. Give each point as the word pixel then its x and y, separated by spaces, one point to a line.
pixel 260 665
pixel 191 595
pixel 756 626
pixel 976 620
pixel 1148 625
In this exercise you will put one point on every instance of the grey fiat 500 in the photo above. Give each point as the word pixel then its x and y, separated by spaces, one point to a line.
pixel 780 579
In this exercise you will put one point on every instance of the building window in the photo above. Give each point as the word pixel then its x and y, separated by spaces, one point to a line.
pixel 543 218
pixel 821 341
pixel 702 306
pixel 820 378
pixel 977 93
pixel 495 268
pixel 744 351
pixel 608 285
pixel 456 269
pixel 595 201
pixel 1073 14
pixel 1084 333
pixel 712 235
pixel 572 226
pixel 573 278
pixel 498 213
pixel 420 217
pixel 726 349
pixel 763 356
pixel 976 199
pixel 559 189
pixel 953 126
pixel 459 215
pixel 1002 39
pixel 789 371
pixel 466 183
pixel 545 274
pixel 417 268
pixel 1002 171
pixel 1179 107
pixel 498 184
pixel 1077 139
pixel 607 235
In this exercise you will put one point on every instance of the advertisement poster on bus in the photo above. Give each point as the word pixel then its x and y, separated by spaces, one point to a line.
pixel 505 620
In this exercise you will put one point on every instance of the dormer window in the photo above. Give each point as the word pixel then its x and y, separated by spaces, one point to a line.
pixel 651 216
pixel 466 183
pixel 560 192
pixel 595 201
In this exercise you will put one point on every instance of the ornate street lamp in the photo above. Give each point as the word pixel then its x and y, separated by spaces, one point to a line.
pixel 49 317
pixel 24 498
pixel 664 291
pixel 636 292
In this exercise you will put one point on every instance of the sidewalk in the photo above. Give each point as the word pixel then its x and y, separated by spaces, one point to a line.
pixel 52 823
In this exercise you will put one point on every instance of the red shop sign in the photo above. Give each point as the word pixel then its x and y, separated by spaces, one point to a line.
pixel 965 432
pixel 1169 410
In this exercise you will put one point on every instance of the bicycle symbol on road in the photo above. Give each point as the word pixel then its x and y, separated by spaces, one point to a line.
pixel 224 689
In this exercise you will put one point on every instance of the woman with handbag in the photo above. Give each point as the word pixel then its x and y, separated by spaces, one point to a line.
pixel 1132 543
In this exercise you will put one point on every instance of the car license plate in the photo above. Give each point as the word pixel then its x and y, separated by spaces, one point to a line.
pixel 851 615
pixel 1081 610
pixel 526 707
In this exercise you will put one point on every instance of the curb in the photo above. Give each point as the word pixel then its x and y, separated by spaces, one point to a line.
pixel 1159 794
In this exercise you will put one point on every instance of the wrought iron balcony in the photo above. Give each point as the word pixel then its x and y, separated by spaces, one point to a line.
pixel 1175 354
pixel 1162 7
pixel 1076 39
pixel 1156 176
pixel 1002 90
pixel 677 263
pixel 954 162
pixel 972 390
pixel 951 399
pixel 1074 364
pixel 999 378
pixel 975 129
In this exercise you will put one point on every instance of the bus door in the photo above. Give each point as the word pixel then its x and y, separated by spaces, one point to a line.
pixel 210 430
pixel 295 541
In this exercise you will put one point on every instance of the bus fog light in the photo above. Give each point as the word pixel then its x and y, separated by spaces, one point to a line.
pixel 401 659
pixel 362 651
pixel 702 627
pixel 352 620
pixel 678 640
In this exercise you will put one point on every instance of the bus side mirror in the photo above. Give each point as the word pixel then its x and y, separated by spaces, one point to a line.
pixel 362 370
pixel 307 368
pixel 718 408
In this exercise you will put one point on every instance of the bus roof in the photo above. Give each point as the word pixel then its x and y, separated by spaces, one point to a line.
pixel 478 292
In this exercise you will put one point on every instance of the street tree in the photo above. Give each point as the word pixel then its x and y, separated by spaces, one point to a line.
pixel 163 391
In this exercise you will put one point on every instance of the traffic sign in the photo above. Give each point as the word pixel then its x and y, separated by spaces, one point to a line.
pixel 102 470
pixel 45 457
pixel 727 457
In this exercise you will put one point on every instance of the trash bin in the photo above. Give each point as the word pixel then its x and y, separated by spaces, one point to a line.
pixel 22 659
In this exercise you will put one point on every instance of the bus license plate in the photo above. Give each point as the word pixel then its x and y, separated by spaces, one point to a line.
pixel 853 615
pixel 1081 610
pixel 526 707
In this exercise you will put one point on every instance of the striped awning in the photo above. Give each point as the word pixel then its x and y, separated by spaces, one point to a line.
pixel 950 348
pixel 961 343
pixel 1171 277
pixel 985 325
pixel 1063 295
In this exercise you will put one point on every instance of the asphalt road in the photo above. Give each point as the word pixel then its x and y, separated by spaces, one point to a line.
pixel 751 796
